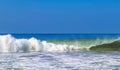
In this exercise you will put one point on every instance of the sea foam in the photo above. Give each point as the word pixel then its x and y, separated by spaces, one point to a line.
pixel 10 44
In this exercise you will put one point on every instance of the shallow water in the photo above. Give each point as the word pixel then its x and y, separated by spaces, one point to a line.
pixel 60 61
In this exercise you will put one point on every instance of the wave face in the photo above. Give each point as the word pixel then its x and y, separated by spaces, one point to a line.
pixel 114 46
pixel 8 43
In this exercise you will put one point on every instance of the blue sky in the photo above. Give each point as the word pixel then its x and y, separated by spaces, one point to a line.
pixel 59 16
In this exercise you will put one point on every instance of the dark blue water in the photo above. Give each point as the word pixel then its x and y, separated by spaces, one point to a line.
pixel 65 36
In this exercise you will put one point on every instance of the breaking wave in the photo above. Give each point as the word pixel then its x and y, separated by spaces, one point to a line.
pixel 8 43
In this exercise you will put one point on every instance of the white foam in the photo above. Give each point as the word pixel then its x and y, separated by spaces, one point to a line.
pixel 11 44
pixel 58 61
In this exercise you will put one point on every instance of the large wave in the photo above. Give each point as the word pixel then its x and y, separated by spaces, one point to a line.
pixel 8 43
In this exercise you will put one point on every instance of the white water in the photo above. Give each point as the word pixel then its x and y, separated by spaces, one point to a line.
pixel 36 60
pixel 60 61
pixel 11 44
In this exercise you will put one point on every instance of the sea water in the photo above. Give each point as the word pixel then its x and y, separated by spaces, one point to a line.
pixel 57 52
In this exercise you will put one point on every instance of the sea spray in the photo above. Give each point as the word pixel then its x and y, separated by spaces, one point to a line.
pixel 11 44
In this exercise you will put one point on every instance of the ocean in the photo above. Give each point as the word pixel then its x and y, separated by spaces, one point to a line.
pixel 59 51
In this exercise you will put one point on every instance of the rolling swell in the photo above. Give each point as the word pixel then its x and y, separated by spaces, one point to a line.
pixel 10 44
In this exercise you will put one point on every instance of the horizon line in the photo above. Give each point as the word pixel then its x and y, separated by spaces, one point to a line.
pixel 59 33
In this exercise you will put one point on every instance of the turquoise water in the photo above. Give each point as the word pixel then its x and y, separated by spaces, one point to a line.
pixel 57 52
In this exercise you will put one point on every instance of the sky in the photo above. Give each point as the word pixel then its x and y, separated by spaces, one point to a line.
pixel 59 16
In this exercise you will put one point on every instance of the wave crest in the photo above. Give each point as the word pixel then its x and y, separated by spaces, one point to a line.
pixel 11 44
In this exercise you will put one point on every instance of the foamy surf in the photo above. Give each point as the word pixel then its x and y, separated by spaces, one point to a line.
pixel 8 43
pixel 38 58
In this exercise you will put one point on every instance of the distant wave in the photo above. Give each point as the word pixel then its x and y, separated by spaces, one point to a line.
pixel 10 44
